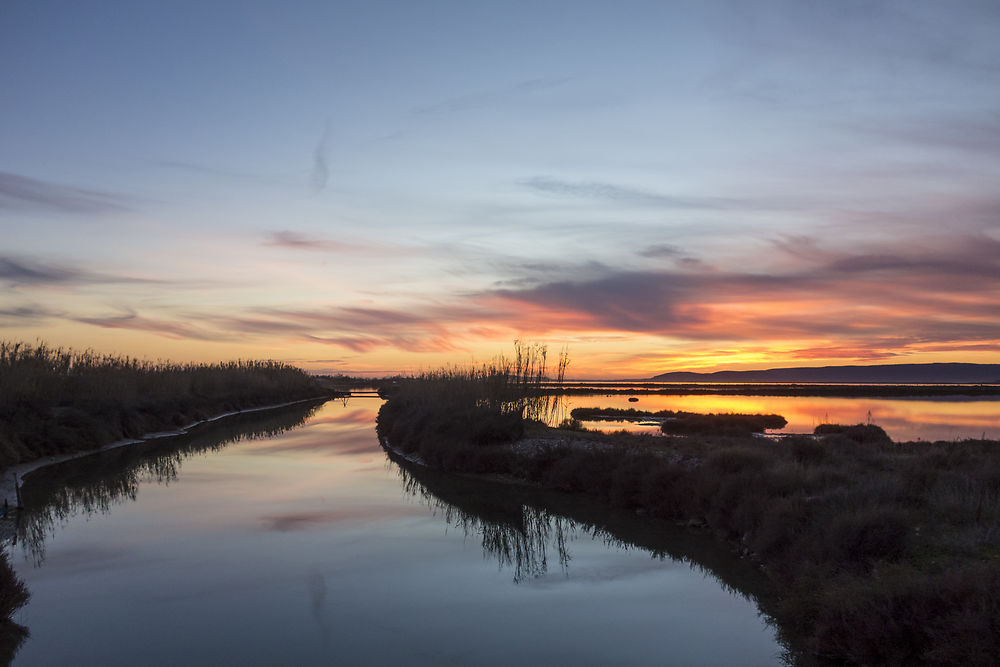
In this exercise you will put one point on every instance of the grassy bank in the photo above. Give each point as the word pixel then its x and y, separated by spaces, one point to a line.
pixel 879 552
pixel 56 401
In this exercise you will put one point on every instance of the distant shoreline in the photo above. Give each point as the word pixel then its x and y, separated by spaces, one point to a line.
pixel 836 390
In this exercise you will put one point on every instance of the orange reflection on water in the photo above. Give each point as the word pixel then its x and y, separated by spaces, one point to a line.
pixel 904 419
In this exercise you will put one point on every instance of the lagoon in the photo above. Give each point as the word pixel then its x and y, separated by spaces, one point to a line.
pixel 904 419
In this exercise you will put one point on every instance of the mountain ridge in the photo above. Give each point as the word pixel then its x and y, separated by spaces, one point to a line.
pixel 936 373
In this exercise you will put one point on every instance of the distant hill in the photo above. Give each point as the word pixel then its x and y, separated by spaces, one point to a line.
pixel 879 374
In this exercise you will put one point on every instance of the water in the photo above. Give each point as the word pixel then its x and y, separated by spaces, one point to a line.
pixel 904 419
pixel 290 538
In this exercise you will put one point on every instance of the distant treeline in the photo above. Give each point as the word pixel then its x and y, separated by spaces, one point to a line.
pixel 55 400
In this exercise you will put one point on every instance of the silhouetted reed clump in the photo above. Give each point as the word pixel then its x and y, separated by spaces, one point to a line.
pixel 879 552
pixel 56 400
pixel 478 405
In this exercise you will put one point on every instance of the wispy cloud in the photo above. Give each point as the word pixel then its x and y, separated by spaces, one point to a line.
pixel 18 191
pixel 167 328
pixel 26 272
pixel 26 314
pixel 629 196
pixel 296 241
pixel 293 240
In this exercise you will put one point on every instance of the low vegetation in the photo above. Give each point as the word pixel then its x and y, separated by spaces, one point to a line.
pixel 55 400
pixel 879 552
pixel 686 423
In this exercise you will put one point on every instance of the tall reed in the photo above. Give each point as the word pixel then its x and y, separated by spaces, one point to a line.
pixel 481 404
pixel 55 399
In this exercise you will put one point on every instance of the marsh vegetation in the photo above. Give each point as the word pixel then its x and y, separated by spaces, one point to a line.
pixel 686 423
pixel 879 552
pixel 56 400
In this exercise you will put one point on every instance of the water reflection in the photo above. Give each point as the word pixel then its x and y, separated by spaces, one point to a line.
pixel 525 529
pixel 94 484
pixel 939 418
pixel 302 549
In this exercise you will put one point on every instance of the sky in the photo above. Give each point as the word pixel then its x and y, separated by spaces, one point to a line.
pixel 381 187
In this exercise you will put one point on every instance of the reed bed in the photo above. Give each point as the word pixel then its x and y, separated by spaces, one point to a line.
pixel 55 400
pixel 480 404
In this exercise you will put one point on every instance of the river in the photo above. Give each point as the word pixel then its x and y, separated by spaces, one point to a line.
pixel 291 538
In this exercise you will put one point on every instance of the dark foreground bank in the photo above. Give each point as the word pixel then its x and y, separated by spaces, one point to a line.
pixel 878 552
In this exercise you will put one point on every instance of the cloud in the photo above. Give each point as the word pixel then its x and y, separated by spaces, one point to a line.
pixel 21 271
pixel 297 241
pixel 293 240
pixel 25 272
pixel 662 250
pixel 18 191
pixel 903 296
pixel 166 328
pixel 420 327
pixel 29 314
pixel 630 196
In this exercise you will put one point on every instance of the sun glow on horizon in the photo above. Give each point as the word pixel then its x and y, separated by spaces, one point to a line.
pixel 722 207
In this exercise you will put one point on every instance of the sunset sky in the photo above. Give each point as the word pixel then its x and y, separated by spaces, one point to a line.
pixel 375 187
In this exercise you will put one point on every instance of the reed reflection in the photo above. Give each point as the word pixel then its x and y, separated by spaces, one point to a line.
pixel 94 484
pixel 524 529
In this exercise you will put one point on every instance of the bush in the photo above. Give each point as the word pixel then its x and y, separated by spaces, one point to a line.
pixel 859 539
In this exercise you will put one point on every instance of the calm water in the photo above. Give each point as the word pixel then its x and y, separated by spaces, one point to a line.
pixel 903 419
pixel 292 539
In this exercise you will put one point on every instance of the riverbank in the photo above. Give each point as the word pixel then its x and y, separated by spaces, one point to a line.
pixel 8 492
pixel 55 401
pixel 878 552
